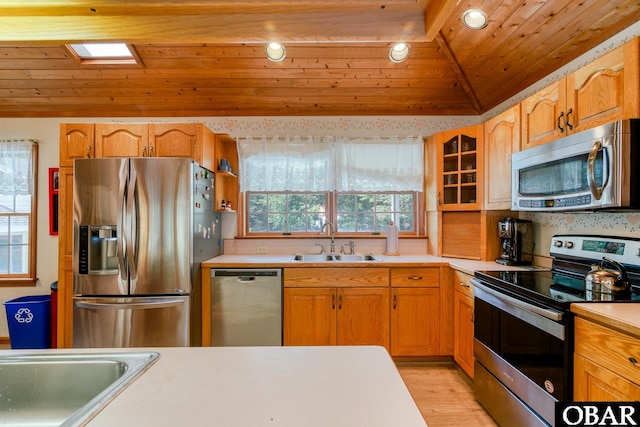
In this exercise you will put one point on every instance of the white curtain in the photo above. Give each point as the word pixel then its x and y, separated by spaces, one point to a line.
pixel 328 164
pixel 16 173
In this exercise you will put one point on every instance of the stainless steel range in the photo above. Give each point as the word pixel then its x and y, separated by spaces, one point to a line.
pixel 524 328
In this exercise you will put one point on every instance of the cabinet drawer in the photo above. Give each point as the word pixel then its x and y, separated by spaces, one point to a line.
pixel 463 283
pixel 608 348
pixel 336 277
pixel 410 277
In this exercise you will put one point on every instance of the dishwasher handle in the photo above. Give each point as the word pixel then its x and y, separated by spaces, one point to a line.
pixel 245 275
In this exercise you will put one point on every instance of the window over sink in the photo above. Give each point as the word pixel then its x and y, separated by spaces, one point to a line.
pixel 292 186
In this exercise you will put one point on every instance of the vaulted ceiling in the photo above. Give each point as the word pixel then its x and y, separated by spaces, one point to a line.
pixel 206 57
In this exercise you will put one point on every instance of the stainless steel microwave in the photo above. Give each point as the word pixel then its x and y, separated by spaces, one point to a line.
pixel 598 168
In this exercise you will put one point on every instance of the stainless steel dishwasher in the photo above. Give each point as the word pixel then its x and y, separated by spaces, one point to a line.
pixel 246 307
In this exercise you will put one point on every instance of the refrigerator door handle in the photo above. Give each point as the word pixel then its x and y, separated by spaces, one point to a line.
pixel 130 305
pixel 120 234
pixel 132 230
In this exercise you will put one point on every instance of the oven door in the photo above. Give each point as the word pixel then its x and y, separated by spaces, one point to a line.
pixel 523 356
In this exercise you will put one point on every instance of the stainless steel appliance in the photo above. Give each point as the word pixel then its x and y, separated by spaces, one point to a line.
pixel 246 307
pixel 594 169
pixel 516 242
pixel 141 228
pixel 523 337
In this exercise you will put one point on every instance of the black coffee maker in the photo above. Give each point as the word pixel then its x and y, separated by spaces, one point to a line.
pixel 516 241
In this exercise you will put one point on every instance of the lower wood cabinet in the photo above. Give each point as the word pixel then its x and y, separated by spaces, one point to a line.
pixel 463 322
pixel 336 316
pixel 603 369
pixel 415 311
pixel 336 306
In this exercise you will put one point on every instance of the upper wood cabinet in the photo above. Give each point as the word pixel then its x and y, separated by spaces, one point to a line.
pixel 460 168
pixel 603 91
pixel 502 138
pixel 102 140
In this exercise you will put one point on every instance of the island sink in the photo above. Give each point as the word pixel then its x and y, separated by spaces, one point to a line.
pixel 49 389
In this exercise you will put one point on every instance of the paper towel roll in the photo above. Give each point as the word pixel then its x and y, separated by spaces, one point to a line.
pixel 392 239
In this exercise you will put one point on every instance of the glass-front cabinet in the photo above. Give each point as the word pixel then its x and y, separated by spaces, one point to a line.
pixel 460 162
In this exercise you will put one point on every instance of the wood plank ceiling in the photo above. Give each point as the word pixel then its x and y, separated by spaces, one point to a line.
pixel 206 57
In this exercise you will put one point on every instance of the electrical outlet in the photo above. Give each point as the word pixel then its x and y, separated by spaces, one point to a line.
pixel 261 250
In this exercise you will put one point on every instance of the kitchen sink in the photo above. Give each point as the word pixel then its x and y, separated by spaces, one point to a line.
pixel 333 257
pixel 64 389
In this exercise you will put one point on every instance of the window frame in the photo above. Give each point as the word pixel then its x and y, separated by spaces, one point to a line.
pixel 30 278
pixel 332 215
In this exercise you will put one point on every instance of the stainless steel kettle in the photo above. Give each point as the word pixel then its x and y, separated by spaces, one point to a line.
pixel 607 281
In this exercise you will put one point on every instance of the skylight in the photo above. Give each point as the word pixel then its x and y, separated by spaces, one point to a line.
pixel 104 54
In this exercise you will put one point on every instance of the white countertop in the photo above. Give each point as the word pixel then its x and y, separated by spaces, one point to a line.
pixel 251 261
pixel 265 386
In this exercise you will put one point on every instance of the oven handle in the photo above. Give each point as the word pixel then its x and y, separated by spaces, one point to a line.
pixel 542 318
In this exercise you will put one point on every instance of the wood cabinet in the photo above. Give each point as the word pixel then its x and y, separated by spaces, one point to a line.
pixel 603 369
pixel 463 322
pixel 226 187
pixel 351 309
pixel 502 138
pixel 416 312
pixel 603 91
pixel 460 168
pixel 103 140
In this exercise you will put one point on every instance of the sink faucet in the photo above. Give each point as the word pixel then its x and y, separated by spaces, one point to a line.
pixel 332 231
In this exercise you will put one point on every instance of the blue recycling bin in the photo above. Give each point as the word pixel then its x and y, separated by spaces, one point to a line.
pixel 29 321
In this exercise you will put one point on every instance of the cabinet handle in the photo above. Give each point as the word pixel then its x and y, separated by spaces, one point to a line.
pixel 340 302
pixel 473 316
pixel 568 121
pixel 89 148
pixel 634 362
pixel 560 117
pixel 414 278
pixel 464 285
pixel 439 201
pixel 333 301
pixel 151 151
pixel 395 301
pixel 144 151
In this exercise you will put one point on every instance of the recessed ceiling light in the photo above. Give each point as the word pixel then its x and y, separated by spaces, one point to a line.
pixel 275 52
pixel 475 19
pixel 399 52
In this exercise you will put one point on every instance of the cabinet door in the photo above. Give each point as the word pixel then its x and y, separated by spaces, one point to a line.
pixel 594 383
pixel 174 140
pixel 76 142
pixel 460 166
pixel 363 316
pixel 310 316
pixel 415 321
pixel 604 90
pixel 502 136
pixel 65 257
pixel 463 332
pixel 541 114
pixel 121 140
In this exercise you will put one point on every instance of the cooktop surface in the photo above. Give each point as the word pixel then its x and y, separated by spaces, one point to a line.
pixel 550 288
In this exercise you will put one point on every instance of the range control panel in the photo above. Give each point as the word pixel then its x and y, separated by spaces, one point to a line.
pixel 623 250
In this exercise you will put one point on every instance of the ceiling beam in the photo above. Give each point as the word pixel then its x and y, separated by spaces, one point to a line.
pixel 459 72
pixel 436 14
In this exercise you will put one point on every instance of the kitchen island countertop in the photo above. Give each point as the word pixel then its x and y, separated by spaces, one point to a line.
pixel 262 386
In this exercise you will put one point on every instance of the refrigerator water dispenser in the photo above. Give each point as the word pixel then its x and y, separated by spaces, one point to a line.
pixel 98 249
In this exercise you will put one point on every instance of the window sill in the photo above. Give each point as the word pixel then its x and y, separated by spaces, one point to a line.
pixel 18 282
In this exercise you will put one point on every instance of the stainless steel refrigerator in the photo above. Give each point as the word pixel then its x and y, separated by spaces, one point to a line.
pixel 141 228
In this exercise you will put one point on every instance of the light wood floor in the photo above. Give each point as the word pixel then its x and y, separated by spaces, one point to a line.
pixel 444 396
